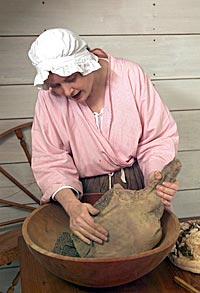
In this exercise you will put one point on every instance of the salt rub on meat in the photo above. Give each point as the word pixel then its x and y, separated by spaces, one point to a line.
pixel 132 218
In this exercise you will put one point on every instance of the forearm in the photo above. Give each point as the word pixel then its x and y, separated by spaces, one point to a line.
pixel 66 198
pixel 52 164
pixel 82 223
pixel 158 144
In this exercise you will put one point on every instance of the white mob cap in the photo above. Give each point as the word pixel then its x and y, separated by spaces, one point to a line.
pixel 62 52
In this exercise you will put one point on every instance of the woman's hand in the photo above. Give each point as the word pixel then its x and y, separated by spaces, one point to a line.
pixel 82 223
pixel 167 190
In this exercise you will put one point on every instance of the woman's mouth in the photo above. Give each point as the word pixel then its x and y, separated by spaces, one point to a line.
pixel 76 96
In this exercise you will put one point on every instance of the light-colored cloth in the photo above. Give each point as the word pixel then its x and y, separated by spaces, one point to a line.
pixel 98 118
pixel 63 52
pixel 67 143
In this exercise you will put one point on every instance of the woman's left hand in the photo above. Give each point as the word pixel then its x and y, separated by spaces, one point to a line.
pixel 167 190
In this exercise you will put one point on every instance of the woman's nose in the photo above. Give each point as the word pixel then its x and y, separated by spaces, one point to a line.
pixel 67 89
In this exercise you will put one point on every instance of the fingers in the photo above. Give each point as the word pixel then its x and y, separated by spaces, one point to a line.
pixel 90 234
pixel 83 238
pixel 84 226
pixel 167 191
pixel 92 210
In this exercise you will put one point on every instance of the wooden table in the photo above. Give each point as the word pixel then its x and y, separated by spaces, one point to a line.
pixel 36 279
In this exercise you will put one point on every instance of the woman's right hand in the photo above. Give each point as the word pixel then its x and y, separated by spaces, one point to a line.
pixel 82 223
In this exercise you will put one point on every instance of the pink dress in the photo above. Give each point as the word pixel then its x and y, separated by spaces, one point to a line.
pixel 67 144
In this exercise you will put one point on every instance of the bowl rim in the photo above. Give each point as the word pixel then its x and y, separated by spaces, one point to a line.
pixel 51 254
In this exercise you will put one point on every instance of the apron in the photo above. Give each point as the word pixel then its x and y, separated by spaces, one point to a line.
pixel 129 178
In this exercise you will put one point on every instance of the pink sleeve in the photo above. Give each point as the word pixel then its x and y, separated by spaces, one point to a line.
pixel 52 163
pixel 159 141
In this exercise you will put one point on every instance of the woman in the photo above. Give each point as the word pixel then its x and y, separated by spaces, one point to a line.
pixel 98 121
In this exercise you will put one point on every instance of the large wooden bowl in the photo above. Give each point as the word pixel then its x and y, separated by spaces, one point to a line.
pixel 45 224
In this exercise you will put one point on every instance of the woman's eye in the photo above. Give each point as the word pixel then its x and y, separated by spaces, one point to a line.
pixel 72 79
pixel 55 86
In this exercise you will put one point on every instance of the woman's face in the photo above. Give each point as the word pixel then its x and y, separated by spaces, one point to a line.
pixel 75 86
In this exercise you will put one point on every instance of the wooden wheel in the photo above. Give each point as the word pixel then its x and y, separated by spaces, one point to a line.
pixel 15 138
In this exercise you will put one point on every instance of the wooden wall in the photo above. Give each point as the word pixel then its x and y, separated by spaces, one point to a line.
pixel 162 36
